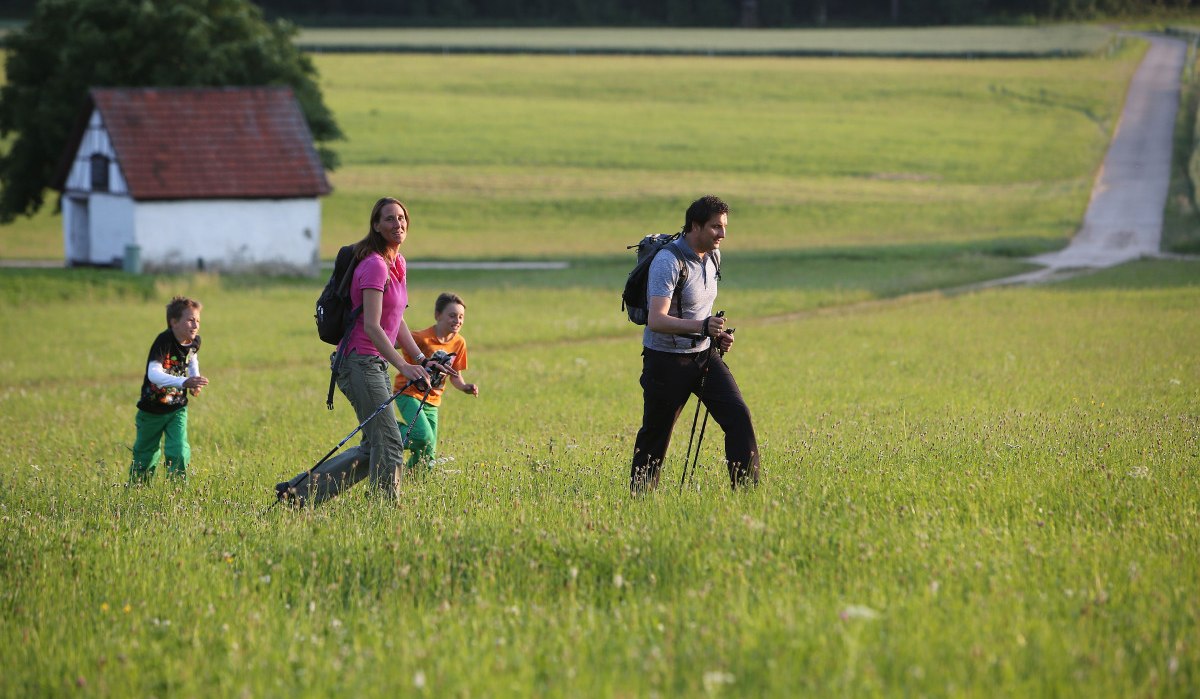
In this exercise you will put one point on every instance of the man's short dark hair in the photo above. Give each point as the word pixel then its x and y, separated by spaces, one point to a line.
pixel 702 210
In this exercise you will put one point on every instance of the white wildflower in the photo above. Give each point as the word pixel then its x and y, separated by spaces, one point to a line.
pixel 714 679
pixel 858 611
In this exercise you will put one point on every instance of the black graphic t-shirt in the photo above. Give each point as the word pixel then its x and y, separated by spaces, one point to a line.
pixel 174 358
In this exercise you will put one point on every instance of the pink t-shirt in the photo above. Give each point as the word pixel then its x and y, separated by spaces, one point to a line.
pixel 372 273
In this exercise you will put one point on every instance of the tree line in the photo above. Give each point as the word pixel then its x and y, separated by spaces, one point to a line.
pixel 689 13
pixel 717 13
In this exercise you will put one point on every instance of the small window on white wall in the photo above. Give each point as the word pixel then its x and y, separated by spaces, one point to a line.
pixel 99 172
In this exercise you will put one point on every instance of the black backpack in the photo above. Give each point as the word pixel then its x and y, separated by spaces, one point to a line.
pixel 634 300
pixel 335 313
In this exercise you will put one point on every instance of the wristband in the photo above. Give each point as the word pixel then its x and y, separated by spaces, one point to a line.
pixel 704 330
pixel 420 359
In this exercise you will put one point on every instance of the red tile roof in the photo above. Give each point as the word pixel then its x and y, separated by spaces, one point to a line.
pixel 206 143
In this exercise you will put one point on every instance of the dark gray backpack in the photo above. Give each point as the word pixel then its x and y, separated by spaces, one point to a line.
pixel 634 300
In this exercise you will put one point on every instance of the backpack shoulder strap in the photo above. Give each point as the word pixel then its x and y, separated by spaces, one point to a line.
pixel 683 271
pixel 677 297
pixel 345 263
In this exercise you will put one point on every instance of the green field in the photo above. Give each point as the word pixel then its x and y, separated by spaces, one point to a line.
pixel 964 494
pixel 998 41
pixel 564 157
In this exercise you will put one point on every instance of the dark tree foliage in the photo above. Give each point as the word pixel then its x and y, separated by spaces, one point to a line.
pixel 70 46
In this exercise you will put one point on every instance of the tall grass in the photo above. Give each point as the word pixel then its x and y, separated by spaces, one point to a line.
pixel 992 494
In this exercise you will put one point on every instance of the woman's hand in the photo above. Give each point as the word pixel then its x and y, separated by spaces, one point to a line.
pixel 413 372
pixel 443 367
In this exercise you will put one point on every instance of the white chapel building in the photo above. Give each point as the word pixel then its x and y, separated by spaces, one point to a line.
pixel 177 179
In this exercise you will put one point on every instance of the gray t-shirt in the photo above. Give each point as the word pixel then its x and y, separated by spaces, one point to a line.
pixel 696 298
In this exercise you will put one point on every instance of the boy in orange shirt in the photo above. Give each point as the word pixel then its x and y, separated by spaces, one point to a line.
pixel 450 311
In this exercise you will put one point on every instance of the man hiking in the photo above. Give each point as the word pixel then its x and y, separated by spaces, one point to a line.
pixel 678 357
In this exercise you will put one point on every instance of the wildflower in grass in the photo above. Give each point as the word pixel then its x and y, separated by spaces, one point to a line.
pixel 618 581
pixel 713 680
pixel 858 611
pixel 104 607
pixel 419 680
pixel 127 608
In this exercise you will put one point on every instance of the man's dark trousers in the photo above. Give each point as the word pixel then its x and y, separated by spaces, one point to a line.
pixel 668 380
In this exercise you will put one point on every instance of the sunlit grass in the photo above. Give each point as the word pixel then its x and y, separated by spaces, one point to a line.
pixel 987 494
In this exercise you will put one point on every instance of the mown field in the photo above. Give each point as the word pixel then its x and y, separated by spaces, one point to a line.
pixel 965 494
pixel 953 42
pixel 562 157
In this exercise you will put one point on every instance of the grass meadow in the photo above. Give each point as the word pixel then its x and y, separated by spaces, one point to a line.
pixel 988 493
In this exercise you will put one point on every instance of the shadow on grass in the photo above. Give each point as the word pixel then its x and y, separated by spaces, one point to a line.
pixel 1141 274
pixel 886 271
pixel 882 271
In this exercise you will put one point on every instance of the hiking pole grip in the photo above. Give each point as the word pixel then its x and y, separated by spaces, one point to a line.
pixel 730 331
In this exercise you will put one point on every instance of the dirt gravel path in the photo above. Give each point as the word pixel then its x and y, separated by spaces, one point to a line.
pixel 1124 217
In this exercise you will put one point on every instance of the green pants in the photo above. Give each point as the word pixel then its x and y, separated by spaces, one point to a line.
pixel 422 435
pixel 150 431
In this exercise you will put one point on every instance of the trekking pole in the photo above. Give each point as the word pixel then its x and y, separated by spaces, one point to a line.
pixel 699 399
pixel 420 406
pixel 289 486
pixel 436 379
pixel 704 423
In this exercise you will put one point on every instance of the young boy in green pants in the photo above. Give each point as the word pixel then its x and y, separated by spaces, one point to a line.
pixel 172 371
pixel 449 312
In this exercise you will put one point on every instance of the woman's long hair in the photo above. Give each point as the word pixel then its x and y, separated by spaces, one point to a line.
pixel 374 240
